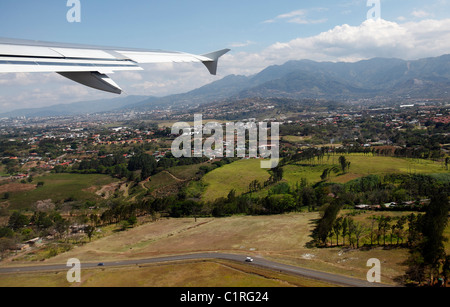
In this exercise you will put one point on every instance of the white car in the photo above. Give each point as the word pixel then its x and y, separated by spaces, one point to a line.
pixel 249 259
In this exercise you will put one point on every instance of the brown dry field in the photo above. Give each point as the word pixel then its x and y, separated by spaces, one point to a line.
pixel 282 238
pixel 16 187
pixel 208 273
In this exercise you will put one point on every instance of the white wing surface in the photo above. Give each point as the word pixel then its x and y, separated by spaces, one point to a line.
pixel 89 65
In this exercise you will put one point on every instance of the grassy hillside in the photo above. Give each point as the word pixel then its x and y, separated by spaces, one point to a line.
pixel 237 175
pixel 58 188
pixel 362 165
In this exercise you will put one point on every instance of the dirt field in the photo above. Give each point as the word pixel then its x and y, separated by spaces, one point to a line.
pixel 175 274
pixel 16 187
pixel 282 238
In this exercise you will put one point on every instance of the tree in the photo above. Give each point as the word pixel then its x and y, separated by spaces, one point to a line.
pixel 254 186
pixel 41 220
pixel 61 226
pixel 345 165
pixel 6 232
pixel 351 230
pixel 399 228
pixel 344 229
pixel 277 173
pixel 373 219
pixel 337 226
pixel 446 270
pixel 325 224
pixel 124 225
pixel 413 229
pixel 132 220
pixel 89 230
pixel 17 221
pixel 94 219
pixel 327 172
pixel 6 244
pixel 383 227
pixel 143 162
pixel 358 230
pixel 416 267
pixel 432 227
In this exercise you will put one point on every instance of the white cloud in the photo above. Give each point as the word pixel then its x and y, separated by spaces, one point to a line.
pixel 12 79
pixel 373 38
pixel 131 75
pixel 421 14
pixel 241 44
pixel 297 17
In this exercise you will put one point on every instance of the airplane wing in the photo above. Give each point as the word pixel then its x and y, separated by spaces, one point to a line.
pixel 89 65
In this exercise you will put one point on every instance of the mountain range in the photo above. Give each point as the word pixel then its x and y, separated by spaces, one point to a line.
pixel 390 79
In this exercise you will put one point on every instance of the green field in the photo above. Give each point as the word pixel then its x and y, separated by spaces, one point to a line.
pixel 173 176
pixel 239 174
pixel 58 188
pixel 295 138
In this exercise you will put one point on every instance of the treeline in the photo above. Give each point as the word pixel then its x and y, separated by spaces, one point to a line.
pixel 407 142
pixel 139 167
pixel 22 227
pixel 318 155
pixel 423 234
pixel 283 198
pixel 379 230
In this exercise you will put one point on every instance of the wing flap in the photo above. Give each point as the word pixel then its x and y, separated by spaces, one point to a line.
pixel 89 65
pixel 95 80
pixel 143 57
pixel 33 51
pixel 25 64
pixel 83 53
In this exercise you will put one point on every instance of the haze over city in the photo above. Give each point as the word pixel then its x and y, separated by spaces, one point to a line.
pixel 260 34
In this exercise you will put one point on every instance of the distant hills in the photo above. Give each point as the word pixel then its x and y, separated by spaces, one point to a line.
pixel 392 79
pixel 77 108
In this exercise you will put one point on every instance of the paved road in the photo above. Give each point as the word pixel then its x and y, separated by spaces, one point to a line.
pixel 261 262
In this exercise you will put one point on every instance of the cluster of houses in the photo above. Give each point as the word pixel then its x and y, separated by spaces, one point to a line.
pixel 394 205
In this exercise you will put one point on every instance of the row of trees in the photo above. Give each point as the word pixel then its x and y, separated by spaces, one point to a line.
pixel 139 167
pixel 380 230
pixel 423 234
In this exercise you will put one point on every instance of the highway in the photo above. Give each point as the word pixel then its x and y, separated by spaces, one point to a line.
pixel 260 262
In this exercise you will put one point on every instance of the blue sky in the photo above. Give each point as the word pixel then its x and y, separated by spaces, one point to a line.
pixel 260 33
pixel 192 25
